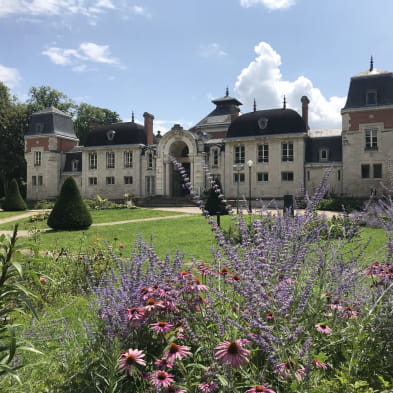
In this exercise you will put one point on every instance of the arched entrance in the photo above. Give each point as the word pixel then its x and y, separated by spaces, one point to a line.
pixel 179 150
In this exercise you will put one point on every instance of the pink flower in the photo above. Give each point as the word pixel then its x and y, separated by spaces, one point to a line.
pixel 323 328
pixel 260 388
pixel 208 387
pixel 42 280
pixel 320 364
pixel 121 245
pixel 232 352
pixel 173 389
pixel 163 364
pixel 161 378
pixel 130 359
pixel 135 313
pixel 151 304
pixel 161 327
pixel 176 352
pixel 299 374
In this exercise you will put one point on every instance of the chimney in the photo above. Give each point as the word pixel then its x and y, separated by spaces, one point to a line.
pixel 148 128
pixel 234 113
pixel 305 101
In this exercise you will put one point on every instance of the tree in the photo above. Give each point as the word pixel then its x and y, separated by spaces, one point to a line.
pixel 85 113
pixel 13 125
pixel 13 200
pixel 45 97
pixel 214 204
pixel 69 212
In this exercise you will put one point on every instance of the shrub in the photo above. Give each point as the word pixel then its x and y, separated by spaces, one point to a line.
pixel 69 212
pixel 340 204
pixel 13 200
pixel 214 203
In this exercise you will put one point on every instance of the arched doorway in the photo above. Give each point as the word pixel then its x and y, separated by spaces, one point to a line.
pixel 180 151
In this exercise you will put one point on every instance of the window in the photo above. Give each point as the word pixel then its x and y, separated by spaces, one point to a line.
pixel 74 165
pixel 238 177
pixel 263 153
pixel 371 97
pixel 239 155
pixel 110 159
pixel 308 175
pixel 365 171
pixel 262 176
pixel 34 180
pixel 149 160
pixel 39 128
pixel 377 171
pixel 40 182
pixel 110 180
pixel 128 159
pixel 37 158
pixel 371 139
pixel 150 185
pixel 287 176
pixel 324 154
pixel 215 158
pixel 92 181
pixel 339 175
pixel 111 135
pixel 127 179
pixel 287 152
pixel 93 161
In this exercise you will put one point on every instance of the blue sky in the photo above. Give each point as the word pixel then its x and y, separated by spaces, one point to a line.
pixel 172 57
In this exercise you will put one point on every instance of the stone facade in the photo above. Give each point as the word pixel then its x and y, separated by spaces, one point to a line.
pixel 263 154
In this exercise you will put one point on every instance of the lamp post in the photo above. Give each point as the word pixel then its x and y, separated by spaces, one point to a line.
pixel 238 168
pixel 250 164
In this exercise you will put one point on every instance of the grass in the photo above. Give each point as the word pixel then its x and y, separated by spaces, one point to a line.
pixel 4 214
pixel 99 216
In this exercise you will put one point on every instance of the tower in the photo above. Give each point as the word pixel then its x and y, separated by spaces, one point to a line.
pixel 49 136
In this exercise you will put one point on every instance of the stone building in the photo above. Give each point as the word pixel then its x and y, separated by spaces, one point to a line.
pixel 265 154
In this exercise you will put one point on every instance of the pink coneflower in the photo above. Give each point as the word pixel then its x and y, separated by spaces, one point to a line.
pixel 299 374
pixel 232 352
pixel 208 387
pixel 322 328
pixel 162 327
pixel 176 352
pixel 269 315
pixel 347 312
pixel 161 378
pixel 173 389
pixel 151 304
pixel 234 278
pixel 42 280
pixel 121 245
pixel 320 364
pixel 163 364
pixel 129 359
pixel 135 313
pixel 260 388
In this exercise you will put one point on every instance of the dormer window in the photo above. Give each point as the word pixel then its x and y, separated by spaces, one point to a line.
pixel 39 128
pixel 74 165
pixel 371 97
pixel 324 154
pixel 111 135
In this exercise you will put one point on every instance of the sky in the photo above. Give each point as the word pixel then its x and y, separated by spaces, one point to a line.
pixel 172 57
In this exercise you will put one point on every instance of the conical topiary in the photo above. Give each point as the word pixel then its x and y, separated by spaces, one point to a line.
pixel 13 200
pixel 69 212
pixel 214 204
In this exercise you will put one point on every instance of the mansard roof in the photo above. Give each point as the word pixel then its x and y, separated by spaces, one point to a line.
pixel 73 157
pixel 128 133
pixel 373 80
pixel 51 121
pixel 330 140
pixel 267 122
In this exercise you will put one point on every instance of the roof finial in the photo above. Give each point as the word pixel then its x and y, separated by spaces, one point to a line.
pixel 227 92
pixel 284 103
pixel 371 64
pixel 132 117
pixel 255 105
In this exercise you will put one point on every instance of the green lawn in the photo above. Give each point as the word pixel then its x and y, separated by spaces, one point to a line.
pixel 4 214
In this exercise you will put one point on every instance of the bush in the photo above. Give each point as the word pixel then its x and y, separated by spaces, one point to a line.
pixel 69 212
pixel 340 204
pixel 215 204
pixel 13 200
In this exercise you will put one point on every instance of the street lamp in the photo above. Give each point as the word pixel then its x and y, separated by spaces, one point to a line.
pixel 238 168
pixel 250 164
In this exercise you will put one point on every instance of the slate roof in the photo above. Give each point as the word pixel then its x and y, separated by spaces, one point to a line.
pixel 315 145
pixel 128 133
pixel 377 80
pixel 70 157
pixel 267 122
pixel 51 121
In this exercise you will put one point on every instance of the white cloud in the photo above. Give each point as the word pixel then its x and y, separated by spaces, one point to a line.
pixel 262 80
pixel 212 50
pixel 270 4
pixel 141 11
pixel 166 125
pixel 89 8
pixel 9 76
pixel 87 52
